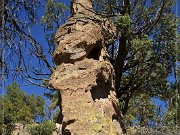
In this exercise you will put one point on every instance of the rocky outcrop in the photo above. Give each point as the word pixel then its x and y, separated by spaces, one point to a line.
pixel 84 74
pixel 20 129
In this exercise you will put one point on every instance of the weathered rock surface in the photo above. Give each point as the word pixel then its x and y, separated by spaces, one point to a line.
pixel 82 7
pixel 20 129
pixel 84 75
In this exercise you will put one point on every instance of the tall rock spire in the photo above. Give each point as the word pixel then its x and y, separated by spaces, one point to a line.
pixel 84 74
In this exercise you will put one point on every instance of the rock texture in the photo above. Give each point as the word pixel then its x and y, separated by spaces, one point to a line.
pixel 84 75
pixel 20 129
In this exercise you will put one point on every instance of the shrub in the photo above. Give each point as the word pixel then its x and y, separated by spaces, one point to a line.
pixel 44 128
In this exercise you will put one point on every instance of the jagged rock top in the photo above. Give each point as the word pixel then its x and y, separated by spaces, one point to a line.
pixel 82 7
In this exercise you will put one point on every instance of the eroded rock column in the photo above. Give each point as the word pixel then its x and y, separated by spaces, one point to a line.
pixel 84 75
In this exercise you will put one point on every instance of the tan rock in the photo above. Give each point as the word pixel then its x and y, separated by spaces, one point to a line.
pixel 84 74
pixel 78 43
pixel 82 7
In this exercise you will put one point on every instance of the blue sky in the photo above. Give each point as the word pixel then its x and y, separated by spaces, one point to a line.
pixel 37 33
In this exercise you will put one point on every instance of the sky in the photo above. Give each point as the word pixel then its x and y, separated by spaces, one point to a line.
pixel 37 32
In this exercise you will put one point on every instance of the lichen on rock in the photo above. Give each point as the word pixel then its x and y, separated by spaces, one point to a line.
pixel 84 74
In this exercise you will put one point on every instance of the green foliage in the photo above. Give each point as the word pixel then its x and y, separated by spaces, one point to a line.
pixel 142 111
pixel 44 128
pixel 141 42
pixel 37 101
pixel 19 108
pixel 147 37
pixel 7 129
pixel 172 116
pixel 53 11
pixel 123 22
pixel 7 119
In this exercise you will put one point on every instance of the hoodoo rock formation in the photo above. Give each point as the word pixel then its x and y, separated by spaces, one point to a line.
pixel 84 74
